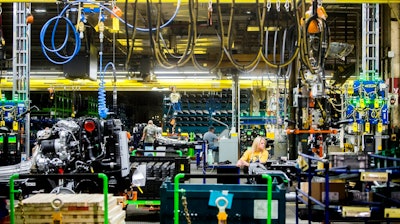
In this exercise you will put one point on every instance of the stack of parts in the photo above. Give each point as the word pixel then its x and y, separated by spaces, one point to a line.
pixel 75 208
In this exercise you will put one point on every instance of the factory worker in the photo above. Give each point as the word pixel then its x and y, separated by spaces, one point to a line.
pixel 257 154
pixel 149 136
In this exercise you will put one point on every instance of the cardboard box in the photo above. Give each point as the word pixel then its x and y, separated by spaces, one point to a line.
pixel 336 191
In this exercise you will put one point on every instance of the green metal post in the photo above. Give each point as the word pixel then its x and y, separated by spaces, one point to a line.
pixel 176 196
pixel 12 192
pixel 105 193
pixel 269 196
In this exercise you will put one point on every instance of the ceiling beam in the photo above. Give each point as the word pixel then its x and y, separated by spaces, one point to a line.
pixel 226 1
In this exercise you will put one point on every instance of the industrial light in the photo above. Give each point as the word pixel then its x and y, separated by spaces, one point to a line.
pixel 183 77
pixel 39 10
pixel 176 72
pixel 257 28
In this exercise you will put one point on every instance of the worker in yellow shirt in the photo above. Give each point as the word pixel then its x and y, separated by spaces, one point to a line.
pixel 257 154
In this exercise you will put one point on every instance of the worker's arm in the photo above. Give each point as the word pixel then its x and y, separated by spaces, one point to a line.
pixel 144 134
pixel 243 161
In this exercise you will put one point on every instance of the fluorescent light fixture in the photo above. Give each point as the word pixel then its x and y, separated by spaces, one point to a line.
pixel 257 28
pixel 39 10
pixel 183 77
pixel 177 72
pixel 138 42
pixel 159 89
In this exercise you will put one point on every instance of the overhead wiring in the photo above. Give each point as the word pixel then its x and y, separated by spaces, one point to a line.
pixel 220 55
pixel 227 49
pixel 294 53
pixel 126 26
pixel 133 37
pixel 314 40
pixel 189 49
pixel 55 52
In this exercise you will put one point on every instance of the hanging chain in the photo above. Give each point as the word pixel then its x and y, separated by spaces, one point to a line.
pixel 185 208
pixel 21 205
pixel 278 5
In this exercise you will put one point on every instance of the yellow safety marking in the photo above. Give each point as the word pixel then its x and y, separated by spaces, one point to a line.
pixel 392 212
pixel 367 127
pixel 374 176
pixel 379 127
pixel 356 211
pixel 355 127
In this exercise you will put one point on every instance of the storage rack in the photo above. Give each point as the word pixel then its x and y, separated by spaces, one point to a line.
pixel 197 108
pixel 380 211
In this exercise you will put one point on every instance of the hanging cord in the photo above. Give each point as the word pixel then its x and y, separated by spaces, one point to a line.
pixel 103 110
pixel 115 93
pixel 133 37
pixel 228 51
pixel 294 53
pixel 53 49
pixel 150 25
pixel 189 50
pixel 220 54
pixel 322 36
pixel 55 52
pixel 126 28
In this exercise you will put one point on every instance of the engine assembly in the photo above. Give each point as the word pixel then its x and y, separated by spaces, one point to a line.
pixel 84 145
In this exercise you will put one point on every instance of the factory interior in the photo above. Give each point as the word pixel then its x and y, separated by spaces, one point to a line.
pixel 199 111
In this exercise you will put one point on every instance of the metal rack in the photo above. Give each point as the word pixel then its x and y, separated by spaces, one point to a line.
pixel 331 212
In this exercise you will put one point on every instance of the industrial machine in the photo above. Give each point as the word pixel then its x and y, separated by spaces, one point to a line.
pixel 84 145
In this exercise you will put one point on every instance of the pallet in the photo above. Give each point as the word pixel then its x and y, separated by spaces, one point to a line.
pixel 76 208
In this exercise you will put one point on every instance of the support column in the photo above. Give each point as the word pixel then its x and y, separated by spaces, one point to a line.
pixel 395 62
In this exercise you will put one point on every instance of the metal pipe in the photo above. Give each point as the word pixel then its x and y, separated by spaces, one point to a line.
pixel 105 194
pixel 12 191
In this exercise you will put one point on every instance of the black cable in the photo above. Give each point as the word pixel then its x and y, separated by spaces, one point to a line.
pixel 126 25
pixel 150 30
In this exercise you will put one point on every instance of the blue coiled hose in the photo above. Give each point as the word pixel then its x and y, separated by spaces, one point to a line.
pixel 62 59
pixel 103 110
pixel 56 50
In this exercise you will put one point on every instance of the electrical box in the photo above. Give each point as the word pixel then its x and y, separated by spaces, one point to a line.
pixel 228 150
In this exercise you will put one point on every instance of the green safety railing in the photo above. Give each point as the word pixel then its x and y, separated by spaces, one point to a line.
pixel 182 175
pixel 75 176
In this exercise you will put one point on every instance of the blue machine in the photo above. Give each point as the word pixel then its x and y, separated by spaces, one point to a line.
pixel 248 205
